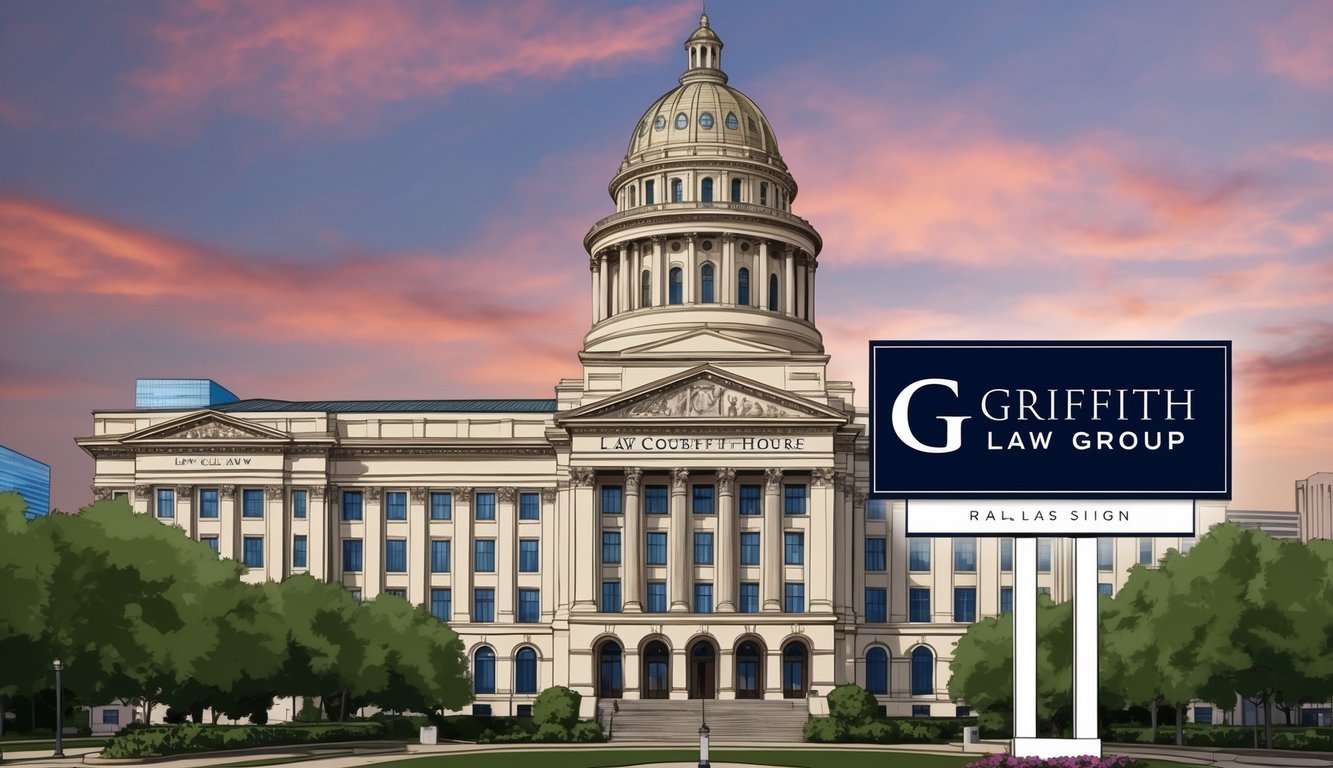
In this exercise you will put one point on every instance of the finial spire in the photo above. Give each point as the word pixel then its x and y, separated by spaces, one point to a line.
pixel 703 51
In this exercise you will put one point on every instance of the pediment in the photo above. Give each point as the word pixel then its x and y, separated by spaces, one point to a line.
pixel 704 342
pixel 207 426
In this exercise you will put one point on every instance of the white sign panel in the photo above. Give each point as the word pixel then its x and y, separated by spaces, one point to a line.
pixel 1049 517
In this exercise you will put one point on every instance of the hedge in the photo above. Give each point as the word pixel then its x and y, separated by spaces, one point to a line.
pixel 900 730
pixel 195 737
pixel 1223 736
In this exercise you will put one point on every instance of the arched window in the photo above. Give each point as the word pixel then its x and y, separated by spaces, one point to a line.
pixel 525 672
pixel 793 671
pixel 610 670
pixel 735 190
pixel 923 671
pixel 648 192
pixel 706 193
pixel 743 287
pixel 706 284
pixel 483 671
pixel 633 197
pixel 773 293
pixel 646 290
pixel 655 679
pixel 674 286
pixel 763 193
pixel 677 191
pixel 877 671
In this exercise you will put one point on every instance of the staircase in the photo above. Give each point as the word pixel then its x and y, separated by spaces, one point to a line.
pixel 665 721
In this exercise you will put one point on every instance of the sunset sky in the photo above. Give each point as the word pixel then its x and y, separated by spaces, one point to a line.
pixel 350 200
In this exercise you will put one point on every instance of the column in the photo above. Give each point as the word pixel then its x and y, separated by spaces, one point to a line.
pixel 724 568
pixel 727 278
pixel 585 535
pixel 460 577
pixel 1025 637
pixel 602 288
pixel 660 271
pixel 759 281
pixel 789 289
pixel 821 543
pixel 418 547
pixel 678 559
pixel 631 559
pixel 690 270
pixel 506 560
pixel 1085 639
pixel 185 509
pixel 372 563
pixel 812 266
pixel 596 288
pixel 228 536
pixel 317 548
pixel 624 277
pixel 771 558
pixel 275 532
pixel 798 308
pixel 636 276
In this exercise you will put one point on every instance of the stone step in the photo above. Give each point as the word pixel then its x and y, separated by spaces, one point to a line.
pixel 677 721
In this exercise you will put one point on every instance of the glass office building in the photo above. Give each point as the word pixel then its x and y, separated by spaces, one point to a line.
pixel 30 477
pixel 180 393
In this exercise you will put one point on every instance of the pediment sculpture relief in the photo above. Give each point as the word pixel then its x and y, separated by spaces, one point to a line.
pixel 212 429
pixel 705 398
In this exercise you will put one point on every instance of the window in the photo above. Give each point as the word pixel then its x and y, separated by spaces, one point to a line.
pixel 703 597
pixel 481 710
pixel 1006 600
pixel 877 509
pixel 211 541
pixel 1043 591
pixel 702 500
pixel 166 502
pixel 657 548
pixel 485 506
pixel 918 604
pixel 920 710
pixel 749 548
pixel 646 289
pixel 299 504
pixel 355 593
pixel 1203 715
pixel 611 597
pixel 395 505
pixel 657 597
pixel 612 498
pixel 1145 551
pixel 923 674
pixel 655 500
pixel 648 192
pixel 681 121
pixel 877 671
pixel 395 556
pixel 1105 554
pixel 529 506
pixel 483 556
pixel 483 604
pixel 529 606
pixel 441 506
pixel 252 502
pixel 706 121
pixel 743 287
pixel 1006 555
pixel 732 122
pixel 793 548
pixel 298 552
pixel 793 499
pixel 772 293
pixel 763 193
pixel 965 555
pixel 1104 589
pixel 611 547
pixel 525 673
pixel 706 193
pixel 677 191
pixel 523 710
pixel 351 505
pixel 703 547
pixel 529 556
pixel 674 287
pixel 918 555
pixel 351 555
pixel 1044 555
pixel 706 284
pixel 735 190
pixel 208 503
pixel 396 593
pixel 962 711
pixel 439 556
pixel 751 500
pixel 877 605
pixel 876 557
pixel 483 672
pixel 794 592
pixel 965 604
pixel 749 597
pixel 252 551
pixel 111 716
pixel 441 606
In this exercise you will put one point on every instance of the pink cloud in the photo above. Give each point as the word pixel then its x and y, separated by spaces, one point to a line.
pixel 1300 46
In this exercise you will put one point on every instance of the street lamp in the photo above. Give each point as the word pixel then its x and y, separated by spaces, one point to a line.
pixel 703 736
pixel 60 711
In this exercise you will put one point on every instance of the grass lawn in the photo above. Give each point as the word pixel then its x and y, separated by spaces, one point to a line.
pixel 48 744
pixel 796 758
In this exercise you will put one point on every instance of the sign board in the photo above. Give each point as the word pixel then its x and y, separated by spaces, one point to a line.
pixel 1049 517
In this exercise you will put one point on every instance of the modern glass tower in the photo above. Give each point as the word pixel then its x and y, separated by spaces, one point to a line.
pixel 30 477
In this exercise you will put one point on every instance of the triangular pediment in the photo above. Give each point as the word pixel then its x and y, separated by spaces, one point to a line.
pixel 704 392
pixel 207 426
pixel 705 342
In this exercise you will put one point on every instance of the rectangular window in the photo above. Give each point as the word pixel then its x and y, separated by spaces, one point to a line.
pixel 529 555
pixel 166 503
pixel 112 716
pixel 1043 555
pixel 703 547
pixel 441 604
pixel 252 502
pixel 703 597
pixel 877 509
pixel 965 604
pixel 483 604
pixel 920 710
pixel 918 555
pixel 523 710
pixel 877 605
pixel 298 552
pixel 794 592
pixel 1043 591
pixel 395 556
pixel 1145 551
pixel 751 500
pixel 1006 600
pixel 299 504
pixel 613 497
pixel 208 503
pixel 965 555
pixel 1006 555
pixel 656 597
pixel 793 548
pixel 918 604
pixel 441 505
pixel 439 556
pixel 351 505
pixel 1105 554
pixel 352 555
pixel 483 556
pixel 485 507
pixel 750 548
pixel 610 597
pixel 395 505
pixel 396 593
pixel 655 500
pixel 1203 715
pixel 876 554
pixel 355 593
pixel 749 597
pixel 648 192
pixel 656 553
pixel 529 606
pixel 793 499
pixel 211 541
pixel 702 500
pixel 1104 589
pixel 529 506
pixel 611 547
pixel 481 710
pixel 252 551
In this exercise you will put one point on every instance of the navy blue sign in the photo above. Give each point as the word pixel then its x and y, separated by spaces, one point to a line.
pixel 1050 419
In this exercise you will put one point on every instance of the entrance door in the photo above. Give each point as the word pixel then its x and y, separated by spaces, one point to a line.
pixel 609 677
pixel 793 671
pixel 703 671
pixel 748 683
pixel 656 671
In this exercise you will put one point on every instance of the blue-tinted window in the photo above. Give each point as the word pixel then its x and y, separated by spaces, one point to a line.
pixel 706 272
pixel 702 500
pixel 1006 555
pixel 298 552
pixel 111 716
pixel 485 506
pixel 439 556
pixel 208 503
pixel 877 605
pixel 1105 554
pixel 706 191
pixel 656 592
pixel 211 541
pixel 612 498
pixel 483 604
pixel 525 672
pixel 1044 555
pixel 877 509
pixel 483 671
pixel 529 506
pixel 918 555
pixel 918 604
pixel 611 597
pixel 749 548
pixel 773 293
pixel 677 188
pixel 252 551
pixel 749 597
pixel 441 606
pixel 529 606
pixel 923 671
pixel 1006 600
pixel 299 504
pixel 735 183
pixel 611 547
pixel 483 556
pixel 529 555
pixel 1203 715
pixel 166 502
pixel 752 500
pixel 793 499
pixel 876 554
pixel 794 593
pixel 1104 589
pixel 703 597
pixel 352 555
pixel 656 551
pixel 351 505
pixel 395 505
pixel 965 555
pixel 763 193
pixel 743 287
pixel 965 604
pixel 648 192
pixel 703 547
pixel 252 502
pixel 675 294
pixel 1145 551
pixel 395 556
pixel 441 505
pixel 877 671
pixel 793 548
pixel 655 500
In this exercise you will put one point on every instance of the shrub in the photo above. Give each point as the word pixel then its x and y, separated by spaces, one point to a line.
pixel 551 732
pixel 193 737
pixel 400 726
pixel 587 732
pixel 872 733
pixel 556 705
pixel 310 713
pixel 852 705
pixel 174 716
pixel 824 730
pixel 1320 739
pixel 1081 761
pixel 910 732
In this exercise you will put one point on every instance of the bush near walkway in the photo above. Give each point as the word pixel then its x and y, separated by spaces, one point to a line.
pixel 182 739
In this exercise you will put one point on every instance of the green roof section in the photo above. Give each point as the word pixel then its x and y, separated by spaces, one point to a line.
pixel 258 405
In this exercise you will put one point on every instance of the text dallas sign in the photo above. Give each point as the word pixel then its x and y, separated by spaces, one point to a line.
pixel 1050 438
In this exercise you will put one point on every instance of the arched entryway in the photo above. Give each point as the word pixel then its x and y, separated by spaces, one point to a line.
pixel 703 670
pixel 749 670
pixel 610 670
pixel 656 677
pixel 795 670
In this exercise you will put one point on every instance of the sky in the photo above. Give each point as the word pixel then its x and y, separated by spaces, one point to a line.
pixel 350 200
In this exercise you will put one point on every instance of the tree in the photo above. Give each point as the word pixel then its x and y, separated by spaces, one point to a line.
pixel 25 567
pixel 852 705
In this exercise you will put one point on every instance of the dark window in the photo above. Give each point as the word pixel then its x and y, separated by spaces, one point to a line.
pixel 395 505
pixel 529 606
pixel 876 557
pixel 352 555
pixel 483 606
pixel 793 499
pixel 794 592
pixel 441 506
pixel 395 556
pixel 252 502
pixel 706 284
pixel 439 555
pixel 440 604
pixel 208 502
pixel 483 672
pixel 674 287
pixel 749 597
pixel 877 610
pixel 1006 600
pixel 351 505
pixel 750 548
pixel 706 193
pixel 612 496
pixel 656 597
pixel 793 548
pixel 298 504
pixel 529 556
pixel 918 604
pixel 611 597
pixel 611 547
pixel 918 555
pixel 646 289
pixel 751 500
pixel 166 503
pixel 923 673
pixel 703 597
pixel 703 547
pixel 877 671
pixel 1006 555
pixel 648 192
pixel 529 506
pixel 483 556
pixel 298 551
pixel 965 555
pixel 965 604
pixel 485 506
pixel 735 190
pixel 656 553
pixel 772 293
pixel 525 674
pixel 743 287
pixel 677 191
pixel 655 499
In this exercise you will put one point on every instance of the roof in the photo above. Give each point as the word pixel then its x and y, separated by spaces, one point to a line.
pixel 389 406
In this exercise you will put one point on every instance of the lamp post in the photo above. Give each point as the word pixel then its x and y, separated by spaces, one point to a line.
pixel 703 736
pixel 60 711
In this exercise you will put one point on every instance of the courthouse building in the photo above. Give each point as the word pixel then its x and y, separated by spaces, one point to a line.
pixel 687 519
